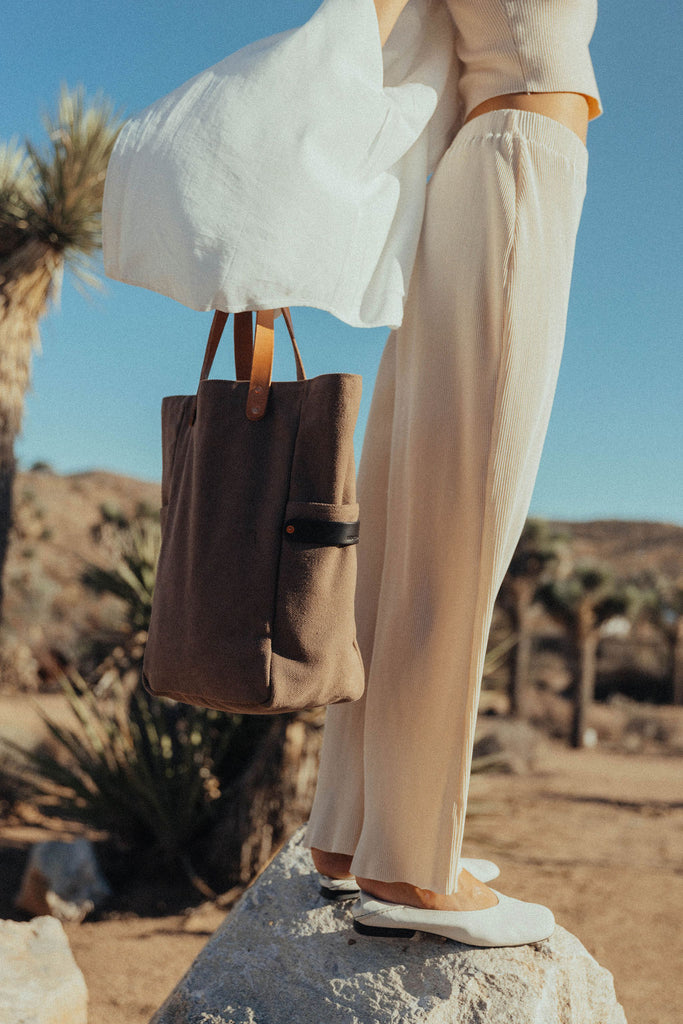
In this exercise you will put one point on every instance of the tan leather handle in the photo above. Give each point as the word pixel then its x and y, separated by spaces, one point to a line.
pixel 261 364
pixel 253 358
pixel 300 372
pixel 262 360
pixel 243 344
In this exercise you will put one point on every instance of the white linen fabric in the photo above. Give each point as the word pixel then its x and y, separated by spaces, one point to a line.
pixel 293 173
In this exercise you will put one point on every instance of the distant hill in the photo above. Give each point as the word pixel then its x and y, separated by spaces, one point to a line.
pixel 48 613
pixel 630 547
pixel 49 616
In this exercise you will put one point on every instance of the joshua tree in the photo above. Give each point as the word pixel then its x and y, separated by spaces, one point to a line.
pixel 669 617
pixel 583 602
pixel 50 208
pixel 536 554
pixel 661 603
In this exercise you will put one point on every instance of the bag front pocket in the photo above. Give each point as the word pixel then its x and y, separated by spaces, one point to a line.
pixel 314 628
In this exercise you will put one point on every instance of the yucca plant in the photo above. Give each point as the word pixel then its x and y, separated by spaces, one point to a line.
pixel 50 212
pixel 132 578
pixel 139 768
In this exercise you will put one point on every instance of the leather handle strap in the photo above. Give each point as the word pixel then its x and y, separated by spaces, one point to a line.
pixel 244 341
pixel 243 344
pixel 262 360
pixel 300 372
pixel 253 358
pixel 261 364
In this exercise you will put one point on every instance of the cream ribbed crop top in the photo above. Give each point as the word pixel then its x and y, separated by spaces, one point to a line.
pixel 507 46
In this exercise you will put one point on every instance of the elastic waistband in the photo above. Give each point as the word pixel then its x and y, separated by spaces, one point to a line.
pixel 539 128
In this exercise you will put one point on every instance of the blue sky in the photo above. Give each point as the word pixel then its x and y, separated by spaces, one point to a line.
pixel 616 433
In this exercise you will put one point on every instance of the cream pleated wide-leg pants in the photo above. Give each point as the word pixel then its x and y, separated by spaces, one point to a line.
pixel 453 442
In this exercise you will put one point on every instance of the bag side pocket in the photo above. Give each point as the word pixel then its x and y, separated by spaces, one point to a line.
pixel 314 650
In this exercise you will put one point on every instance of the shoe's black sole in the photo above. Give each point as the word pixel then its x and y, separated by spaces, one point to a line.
pixel 389 933
pixel 333 894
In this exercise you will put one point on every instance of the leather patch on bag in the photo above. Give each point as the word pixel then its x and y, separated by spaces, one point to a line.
pixel 321 532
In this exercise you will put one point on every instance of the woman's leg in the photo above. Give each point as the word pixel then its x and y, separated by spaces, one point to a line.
pixel 476 364
pixel 337 815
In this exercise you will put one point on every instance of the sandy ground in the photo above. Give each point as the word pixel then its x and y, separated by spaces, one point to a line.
pixel 597 836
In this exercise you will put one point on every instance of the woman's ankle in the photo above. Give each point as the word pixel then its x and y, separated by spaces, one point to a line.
pixel 334 865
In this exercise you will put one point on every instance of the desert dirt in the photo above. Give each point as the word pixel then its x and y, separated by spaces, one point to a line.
pixel 596 835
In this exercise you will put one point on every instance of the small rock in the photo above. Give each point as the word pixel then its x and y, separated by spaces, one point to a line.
pixel 39 980
pixel 285 954
pixel 63 880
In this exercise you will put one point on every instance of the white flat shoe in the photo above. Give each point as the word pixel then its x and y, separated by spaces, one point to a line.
pixel 347 888
pixel 338 888
pixel 509 923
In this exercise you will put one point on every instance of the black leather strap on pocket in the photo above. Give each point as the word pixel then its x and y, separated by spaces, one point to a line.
pixel 321 532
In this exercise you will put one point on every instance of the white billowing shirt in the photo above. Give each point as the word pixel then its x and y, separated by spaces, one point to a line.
pixel 294 172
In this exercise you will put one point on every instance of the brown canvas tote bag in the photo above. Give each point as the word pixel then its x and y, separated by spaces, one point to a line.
pixel 253 607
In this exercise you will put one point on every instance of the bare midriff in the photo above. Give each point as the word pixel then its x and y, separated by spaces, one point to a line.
pixel 569 108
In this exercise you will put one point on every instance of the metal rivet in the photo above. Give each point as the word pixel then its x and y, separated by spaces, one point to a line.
pixel 290 529
pixel 258 389
pixel 255 409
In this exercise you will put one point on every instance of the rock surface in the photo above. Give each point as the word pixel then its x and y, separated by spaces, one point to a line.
pixel 39 980
pixel 62 879
pixel 285 954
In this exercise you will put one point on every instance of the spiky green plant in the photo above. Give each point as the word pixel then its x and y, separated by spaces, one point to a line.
pixel 50 212
pixel 141 769
pixel 132 578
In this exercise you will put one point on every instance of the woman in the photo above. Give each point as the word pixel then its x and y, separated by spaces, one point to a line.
pixel 453 441
pixel 293 172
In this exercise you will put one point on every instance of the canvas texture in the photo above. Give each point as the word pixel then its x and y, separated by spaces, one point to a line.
pixel 245 619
